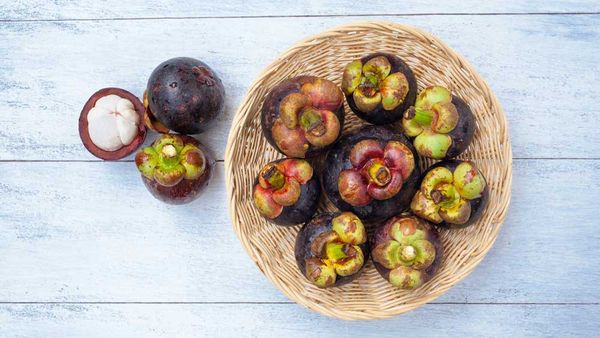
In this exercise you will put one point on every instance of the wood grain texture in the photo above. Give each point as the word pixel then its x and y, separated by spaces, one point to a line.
pixel 89 9
pixel 289 320
pixel 91 232
pixel 542 68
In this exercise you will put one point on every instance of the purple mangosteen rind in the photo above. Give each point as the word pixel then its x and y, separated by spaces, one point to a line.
pixel 380 116
pixel 270 112
pixel 186 190
pixel 338 160
pixel 462 134
pixel 185 95
pixel 302 250
pixel 306 206
pixel 477 205
pixel 381 235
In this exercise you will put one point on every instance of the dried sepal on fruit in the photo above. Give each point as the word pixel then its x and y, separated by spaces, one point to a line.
pixel 175 168
pixel 332 249
pixel 406 251
pixel 379 87
pixel 286 192
pixel 372 173
pixel 303 116
pixel 452 194
pixel 441 124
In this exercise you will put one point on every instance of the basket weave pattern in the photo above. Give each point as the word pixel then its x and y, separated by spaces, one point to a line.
pixel 325 55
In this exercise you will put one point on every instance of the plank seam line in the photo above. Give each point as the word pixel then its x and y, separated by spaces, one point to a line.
pixel 221 161
pixel 286 303
pixel 5 20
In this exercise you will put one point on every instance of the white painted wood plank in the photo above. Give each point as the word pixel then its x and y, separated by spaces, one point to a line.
pixel 290 320
pixel 91 232
pixel 543 69
pixel 89 9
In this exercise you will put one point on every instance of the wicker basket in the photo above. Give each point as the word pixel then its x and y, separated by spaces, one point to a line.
pixel 325 55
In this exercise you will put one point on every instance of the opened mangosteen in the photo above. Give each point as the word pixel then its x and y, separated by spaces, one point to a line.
pixel 332 249
pixel 111 124
pixel 406 251
pixel 441 123
pixel 303 116
pixel 184 95
pixel 379 87
pixel 373 172
pixel 175 168
pixel 286 191
pixel 453 194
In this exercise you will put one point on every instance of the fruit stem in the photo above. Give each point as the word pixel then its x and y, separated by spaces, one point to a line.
pixel 169 151
pixel 422 117
pixel 408 253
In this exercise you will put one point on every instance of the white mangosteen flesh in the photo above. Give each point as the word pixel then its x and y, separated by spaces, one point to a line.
pixel 112 123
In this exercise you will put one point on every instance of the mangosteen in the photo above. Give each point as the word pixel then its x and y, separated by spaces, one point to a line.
pixel 453 194
pixel 441 124
pixel 373 172
pixel 111 124
pixel 406 251
pixel 303 116
pixel 175 168
pixel 286 191
pixel 331 249
pixel 379 87
pixel 184 95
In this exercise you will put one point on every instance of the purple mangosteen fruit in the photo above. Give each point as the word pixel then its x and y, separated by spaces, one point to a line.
pixel 287 191
pixel 331 249
pixel 175 168
pixel 184 95
pixel 452 194
pixel 303 116
pixel 379 87
pixel 372 172
pixel 441 124
pixel 406 251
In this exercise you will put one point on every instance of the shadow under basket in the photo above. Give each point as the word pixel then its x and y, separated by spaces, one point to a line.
pixel 325 55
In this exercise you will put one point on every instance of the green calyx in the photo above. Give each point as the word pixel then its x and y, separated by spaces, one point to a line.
pixel 372 85
pixel 168 161
pixel 337 252
pixel 311 122
pixel 445 195
pixel 430 120
pixel 407 246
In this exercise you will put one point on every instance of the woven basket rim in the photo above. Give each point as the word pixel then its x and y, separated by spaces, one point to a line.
pixel 240 120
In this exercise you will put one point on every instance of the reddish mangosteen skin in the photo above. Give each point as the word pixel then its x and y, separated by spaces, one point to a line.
pixel 477 205
pixel 338 160
pixel 186 190
pixel 85 135
pixel 270 111
pixel 382 235
pixel 185 95
pixel 304 208
pixel 462 134
pixel 379 115
pixel 319 224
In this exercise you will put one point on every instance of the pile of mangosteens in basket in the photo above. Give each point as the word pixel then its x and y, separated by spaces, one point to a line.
pixel 183 96
pixel 372 175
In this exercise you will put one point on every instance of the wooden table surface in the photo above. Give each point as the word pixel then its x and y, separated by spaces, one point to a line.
pixel 86 251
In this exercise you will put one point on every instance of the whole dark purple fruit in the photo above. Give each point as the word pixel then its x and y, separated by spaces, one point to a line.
pixel 286 191
pixel 373 173
pixel 175 168
pixel 406 251
pixel 453 194
pixel 331 249
pixel 185 95
pixel 442 124
pixel 379 87
pixel 303 116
